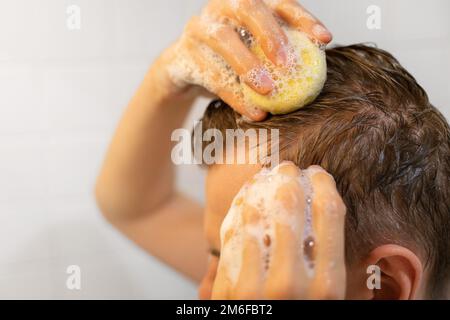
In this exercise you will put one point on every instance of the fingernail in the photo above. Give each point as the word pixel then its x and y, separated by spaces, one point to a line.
pixel 255 114
pixel 267 81
pixel 321 32
pixel 282 57
pixel 260 79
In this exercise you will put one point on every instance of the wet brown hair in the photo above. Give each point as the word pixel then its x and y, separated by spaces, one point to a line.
pixel 374 129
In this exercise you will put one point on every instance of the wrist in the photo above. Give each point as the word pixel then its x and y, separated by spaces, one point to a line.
pixel 162 86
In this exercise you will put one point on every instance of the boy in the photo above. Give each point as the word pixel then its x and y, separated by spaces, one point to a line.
pixel 372 128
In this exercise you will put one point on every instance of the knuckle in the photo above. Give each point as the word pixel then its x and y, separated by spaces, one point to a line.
pixel 336 205
pixel 289 169
pixel 288 195
pixel 321 178
pixel 332 205
pixel 327 178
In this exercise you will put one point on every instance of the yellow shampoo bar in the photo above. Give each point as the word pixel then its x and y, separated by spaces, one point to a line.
pixel 297 86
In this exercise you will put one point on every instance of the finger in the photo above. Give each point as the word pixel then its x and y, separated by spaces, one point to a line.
pixel 289 169
pixel 260 21
pixel 222 285
pixel 328 223
pixel 249 284
pixel 238 103
pixel 213 81
pixel 222 288
pixel 226 42
pixel 286 276
pixel 298 17
pixel 206 285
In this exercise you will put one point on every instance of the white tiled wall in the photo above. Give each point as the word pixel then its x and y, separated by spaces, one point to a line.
pixel 61 95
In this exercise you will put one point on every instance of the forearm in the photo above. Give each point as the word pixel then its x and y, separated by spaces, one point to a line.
pixel 137 175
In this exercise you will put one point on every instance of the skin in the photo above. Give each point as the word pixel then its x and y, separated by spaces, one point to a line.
pixel 135 189
pixel 286 276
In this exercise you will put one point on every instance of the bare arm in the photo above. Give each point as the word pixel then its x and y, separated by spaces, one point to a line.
pixel 135 189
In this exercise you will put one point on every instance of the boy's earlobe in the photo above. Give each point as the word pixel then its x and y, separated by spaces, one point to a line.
pixel 400 271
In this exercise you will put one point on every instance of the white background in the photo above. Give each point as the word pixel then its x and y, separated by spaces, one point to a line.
pixel 62 93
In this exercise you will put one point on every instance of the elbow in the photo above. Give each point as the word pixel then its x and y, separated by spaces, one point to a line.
pixel 108 204
pixel 102 201
pixel 120 204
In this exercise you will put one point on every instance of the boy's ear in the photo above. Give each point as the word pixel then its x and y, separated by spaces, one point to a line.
pixel 401 272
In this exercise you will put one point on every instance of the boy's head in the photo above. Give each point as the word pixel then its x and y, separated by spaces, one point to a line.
pixel 374 129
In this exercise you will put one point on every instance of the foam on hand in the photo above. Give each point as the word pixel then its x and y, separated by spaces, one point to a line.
pixel 260 194
pixel 295 86
pixel 302 82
